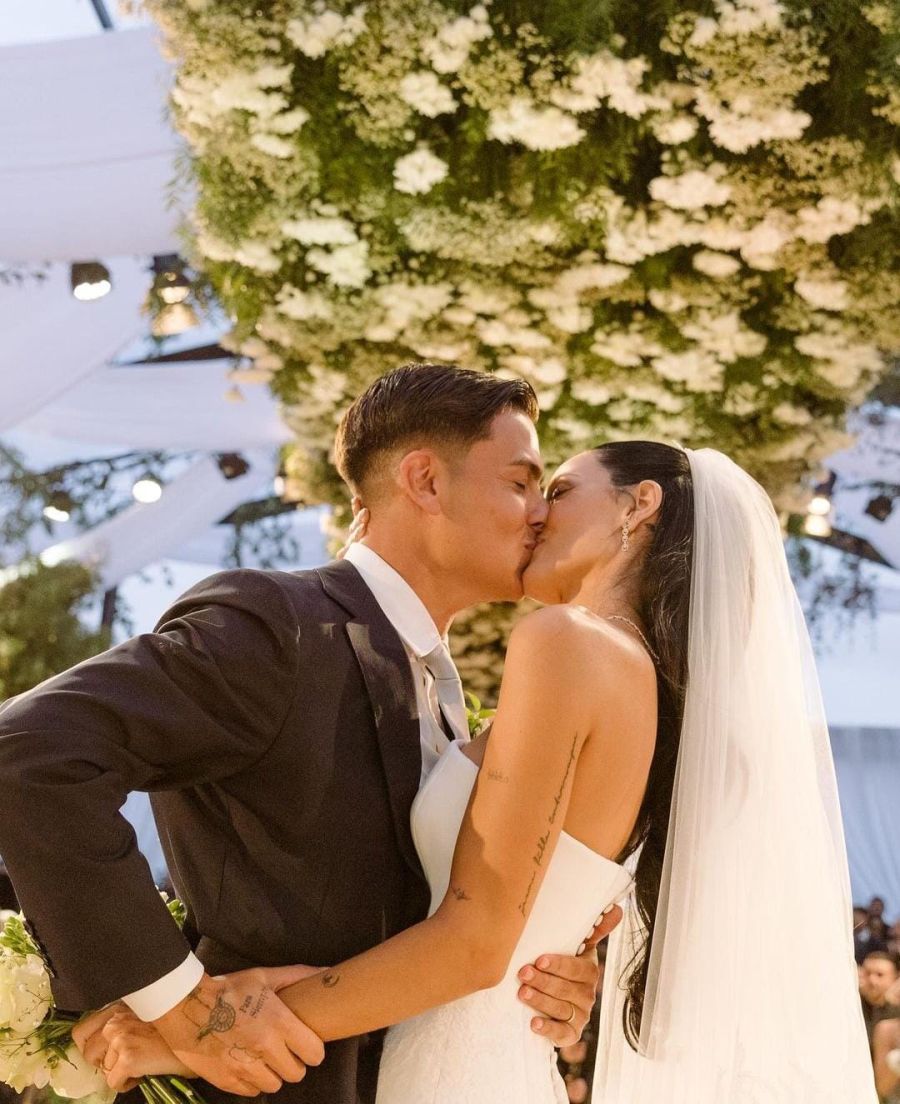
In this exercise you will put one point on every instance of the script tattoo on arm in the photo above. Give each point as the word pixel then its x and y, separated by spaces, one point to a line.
pixel 459 893
pixel 330 978
pixel 497 776
pixel 538 856
pixel 562 787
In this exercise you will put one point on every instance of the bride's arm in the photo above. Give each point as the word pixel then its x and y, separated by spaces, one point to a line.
pixel 507 840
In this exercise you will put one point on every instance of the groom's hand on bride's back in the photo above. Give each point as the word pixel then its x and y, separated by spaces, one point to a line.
pixel 235 1032
pixel 562 989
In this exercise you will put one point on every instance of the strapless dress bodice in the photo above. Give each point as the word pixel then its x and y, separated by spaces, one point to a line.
pixel 481 1048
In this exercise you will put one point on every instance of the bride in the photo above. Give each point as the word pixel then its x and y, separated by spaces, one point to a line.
pixel 659 730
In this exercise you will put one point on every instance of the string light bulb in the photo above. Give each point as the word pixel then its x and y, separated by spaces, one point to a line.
pixel 147 491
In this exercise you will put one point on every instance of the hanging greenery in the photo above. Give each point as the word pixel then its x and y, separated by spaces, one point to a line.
pixel 678 221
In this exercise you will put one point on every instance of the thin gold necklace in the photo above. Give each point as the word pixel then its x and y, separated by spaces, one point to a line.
pixel 628 621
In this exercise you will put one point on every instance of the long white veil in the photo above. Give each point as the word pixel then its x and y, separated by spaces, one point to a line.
pixel 752 990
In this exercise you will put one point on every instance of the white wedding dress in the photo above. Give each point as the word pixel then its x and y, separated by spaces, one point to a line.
pixel 481 1049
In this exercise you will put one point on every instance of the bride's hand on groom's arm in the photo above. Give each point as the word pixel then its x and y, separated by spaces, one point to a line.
pixel 562 989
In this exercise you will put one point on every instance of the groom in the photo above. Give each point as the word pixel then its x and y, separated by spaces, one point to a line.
pixel 282 723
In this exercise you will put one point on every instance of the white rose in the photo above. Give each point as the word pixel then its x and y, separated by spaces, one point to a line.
pixel 74 1078
pixel 25 997
pixel 418 172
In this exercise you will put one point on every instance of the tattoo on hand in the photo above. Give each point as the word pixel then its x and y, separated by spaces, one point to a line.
pixel 330 978
pixel 459 893
pixel 221 1018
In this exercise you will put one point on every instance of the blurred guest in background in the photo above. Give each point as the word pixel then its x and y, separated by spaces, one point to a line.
pixel 878 989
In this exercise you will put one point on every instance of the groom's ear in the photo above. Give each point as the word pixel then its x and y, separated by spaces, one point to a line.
pixel 418 476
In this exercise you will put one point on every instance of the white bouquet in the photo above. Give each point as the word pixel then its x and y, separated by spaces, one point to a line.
pixel 36 1047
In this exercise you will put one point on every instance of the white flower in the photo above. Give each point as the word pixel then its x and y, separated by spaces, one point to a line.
pixel 25 997
pixel 705 30
pixel 272 144
pixel 537 128
pixel 320 231
pixel 696 369
pixel 302 306
pixel 288 122
pixel 715 264
pixel 418 172
pixel 823 293
pixel 314 35
pixel 762 243
pixel 449 50
pixel 550 371
pixel 257 255
pixel 426 94
pixel 23 1063
pixel 829 217
pixel 345 266
pixel 592 392
pixel 690 191
pixel 674 131
pixel 570 318
pixel 74 1077
pixel 498 333
pixel 273 76
pixel 789 414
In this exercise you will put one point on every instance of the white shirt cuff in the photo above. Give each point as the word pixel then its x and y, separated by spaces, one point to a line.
pixel 161 996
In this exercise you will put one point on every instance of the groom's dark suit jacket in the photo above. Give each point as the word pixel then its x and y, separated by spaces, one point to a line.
pixel 271 716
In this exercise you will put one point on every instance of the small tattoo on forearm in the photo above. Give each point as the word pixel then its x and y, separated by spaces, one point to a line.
pixel 221 1018
pixel 524 903
pixel 245 1003
pixel 330 978
pixel 459 893
pixel 497 776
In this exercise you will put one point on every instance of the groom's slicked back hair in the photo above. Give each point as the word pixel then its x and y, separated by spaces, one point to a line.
pixel 423 405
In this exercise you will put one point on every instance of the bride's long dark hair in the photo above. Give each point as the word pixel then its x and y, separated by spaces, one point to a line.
pixel 664 592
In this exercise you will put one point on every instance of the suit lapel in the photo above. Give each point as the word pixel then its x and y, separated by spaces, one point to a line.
pixel 388 678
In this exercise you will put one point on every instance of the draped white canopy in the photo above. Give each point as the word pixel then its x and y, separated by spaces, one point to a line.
pixel 86 154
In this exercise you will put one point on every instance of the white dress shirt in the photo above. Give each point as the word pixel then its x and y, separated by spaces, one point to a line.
pixel 419 634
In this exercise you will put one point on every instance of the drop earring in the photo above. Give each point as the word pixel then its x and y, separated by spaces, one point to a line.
pixel 626 540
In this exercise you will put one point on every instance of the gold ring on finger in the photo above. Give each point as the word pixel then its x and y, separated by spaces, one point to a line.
pixel 571 1018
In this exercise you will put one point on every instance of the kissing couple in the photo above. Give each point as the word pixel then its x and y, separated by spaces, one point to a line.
pixel 350 860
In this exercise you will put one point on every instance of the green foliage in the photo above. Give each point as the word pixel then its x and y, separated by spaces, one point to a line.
pixel 40 631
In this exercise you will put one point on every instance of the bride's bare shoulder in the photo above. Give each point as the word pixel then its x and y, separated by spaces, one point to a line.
pixel 569 640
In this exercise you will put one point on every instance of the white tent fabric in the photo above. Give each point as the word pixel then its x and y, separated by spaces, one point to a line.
pixel 867 764
pixel 145 533
pixel 177 405
pixel 85 152
pixel 51 340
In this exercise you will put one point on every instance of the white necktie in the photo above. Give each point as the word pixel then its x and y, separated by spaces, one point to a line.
pixel 449 690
